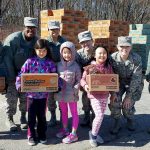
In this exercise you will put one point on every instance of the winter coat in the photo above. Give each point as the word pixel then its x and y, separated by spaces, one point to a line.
pixel 70 75
pixel 96 68
pixel 36 65
pixel 17 50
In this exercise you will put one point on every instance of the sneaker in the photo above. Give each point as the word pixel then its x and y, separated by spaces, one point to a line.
pixel 99 139
pixel 70 138
pixel 43 141
pixel 92 141
pixel 62 133
pixel 31 141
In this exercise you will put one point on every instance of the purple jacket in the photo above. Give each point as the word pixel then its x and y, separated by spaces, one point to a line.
pixel 36 65
pixel 70 76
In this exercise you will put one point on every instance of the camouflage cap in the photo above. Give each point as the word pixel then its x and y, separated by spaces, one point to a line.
pixel 53 25
pixel 84 36
pixel 30 22
pixel 124 41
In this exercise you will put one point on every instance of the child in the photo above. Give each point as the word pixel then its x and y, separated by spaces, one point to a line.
pixel 98 99
pixel 70 76
pixel 36 102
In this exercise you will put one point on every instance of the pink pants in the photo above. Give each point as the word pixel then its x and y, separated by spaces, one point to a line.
pixel 99 107
pixel 64 110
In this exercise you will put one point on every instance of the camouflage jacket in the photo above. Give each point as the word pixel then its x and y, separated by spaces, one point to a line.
pixel 129 71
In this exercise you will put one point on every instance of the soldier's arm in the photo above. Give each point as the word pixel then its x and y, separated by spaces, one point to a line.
pixel 136 79
pixel 9 48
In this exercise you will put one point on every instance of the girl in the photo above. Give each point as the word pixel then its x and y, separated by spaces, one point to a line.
pixel 70 76
pixel 36 102
pixel 98 99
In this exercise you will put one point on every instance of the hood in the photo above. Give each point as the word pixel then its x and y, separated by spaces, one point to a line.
pixel 71 46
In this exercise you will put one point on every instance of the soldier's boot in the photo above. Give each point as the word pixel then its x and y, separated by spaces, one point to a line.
pixel 23 121
pixel 86 119
pixel 130 124
pixel 52 121
pixel 116 127
pixel 10 123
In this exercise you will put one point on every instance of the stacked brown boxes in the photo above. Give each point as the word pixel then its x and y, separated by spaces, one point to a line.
pixel 106 32
pixel 72 23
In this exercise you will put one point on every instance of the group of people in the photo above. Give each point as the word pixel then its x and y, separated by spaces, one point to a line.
pixel 24 52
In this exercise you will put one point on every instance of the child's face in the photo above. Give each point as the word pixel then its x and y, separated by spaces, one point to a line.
pixel 100 55
pixel 124 50
pixel 87 45
pixel 67 55
pixel 54 33
pixel 41 52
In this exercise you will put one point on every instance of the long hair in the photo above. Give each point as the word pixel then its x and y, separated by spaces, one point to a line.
pixel 40 44
pixel 107 62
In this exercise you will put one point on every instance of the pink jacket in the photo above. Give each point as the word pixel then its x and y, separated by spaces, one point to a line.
pixel 103 70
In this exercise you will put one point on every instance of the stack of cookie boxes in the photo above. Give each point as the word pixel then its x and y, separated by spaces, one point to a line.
pixel 106 32
pixel 140 34
pixel 72 22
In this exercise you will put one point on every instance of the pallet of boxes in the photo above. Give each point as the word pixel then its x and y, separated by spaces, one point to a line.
pixel 140 34
pixel 106 32
pixel 72 22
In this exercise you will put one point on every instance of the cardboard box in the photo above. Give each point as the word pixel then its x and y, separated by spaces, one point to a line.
pixel 37 82
pixel 103 82
pixel 2 84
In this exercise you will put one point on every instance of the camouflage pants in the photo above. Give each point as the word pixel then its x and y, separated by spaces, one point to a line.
pixel 51 102
pixel 116 107
pixel 86 102
pixel 12 97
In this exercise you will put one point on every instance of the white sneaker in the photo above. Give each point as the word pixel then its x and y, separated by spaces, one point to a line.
pixel 43 141
pixel 92 141
pixel 99 139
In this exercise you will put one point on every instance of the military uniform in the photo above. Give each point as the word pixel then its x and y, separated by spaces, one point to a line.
pixel 83 59
pixel 131 82
pixel 17 50
pixel 55 51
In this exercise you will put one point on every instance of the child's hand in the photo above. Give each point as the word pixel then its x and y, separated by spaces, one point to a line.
pixel 86 87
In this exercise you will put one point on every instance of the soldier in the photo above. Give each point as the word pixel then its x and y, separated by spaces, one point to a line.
pixel 128 66
pixel 55 41
pixel 84 57
pixel 18 47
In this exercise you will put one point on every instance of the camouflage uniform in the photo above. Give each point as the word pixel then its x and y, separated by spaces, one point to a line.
pixel 83 60
pixel 131 82
pixel 17 51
